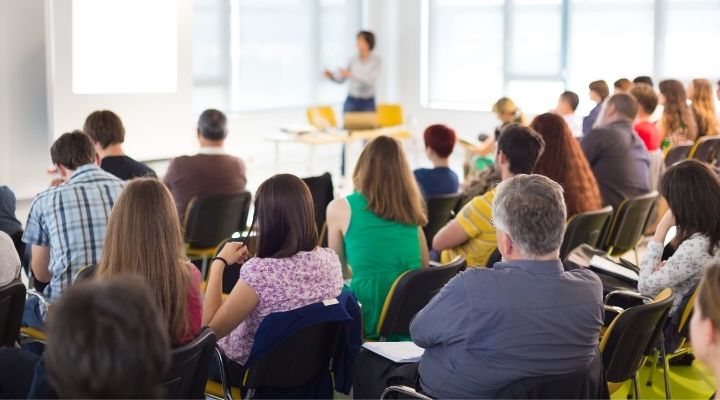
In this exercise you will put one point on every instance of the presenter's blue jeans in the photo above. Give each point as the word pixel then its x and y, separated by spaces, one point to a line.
pixel 355 104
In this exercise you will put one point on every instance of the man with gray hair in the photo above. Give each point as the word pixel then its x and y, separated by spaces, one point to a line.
pixel 526 317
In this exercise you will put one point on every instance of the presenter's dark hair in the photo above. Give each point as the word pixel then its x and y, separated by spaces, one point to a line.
pixel 104 127
pixel 571 98
pixel 212 124
pixel 106 340
pixel 522 146
pixel 284 217
pixel 72 150
pixel 368 37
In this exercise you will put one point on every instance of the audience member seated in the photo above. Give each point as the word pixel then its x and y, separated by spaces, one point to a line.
pixel 288 270
pixel 66 225
pixel 211 171
pixel 677 123
pixel 490 327
pixel 377 230
pixel 507 112
pixel 622 85
pixel 692 191
pixel 599 91
pixel 8 222
pixel 566 106
pixel 105 339
pixel 108 134
pixel 703 106
pixel 9 260
pixel 717 93
pixel 472 234
pixel 705 322
pixel 564 162
pixel 643 80
pixel 616 154
pixel 144 238
pixel 647 102
pixel 439 180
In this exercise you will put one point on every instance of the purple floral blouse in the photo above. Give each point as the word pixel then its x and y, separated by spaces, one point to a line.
pixel 283 284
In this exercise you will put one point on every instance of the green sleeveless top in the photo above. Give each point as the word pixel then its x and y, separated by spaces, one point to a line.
pixel 378 251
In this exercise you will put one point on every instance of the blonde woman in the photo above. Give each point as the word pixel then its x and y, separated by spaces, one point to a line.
pixel 377 230
pixel 507 113
pixel 144 238
pixel 700 92
pixel 705 322
pixel 677 123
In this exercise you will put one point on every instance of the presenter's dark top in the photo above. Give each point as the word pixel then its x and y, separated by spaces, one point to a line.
pixel 126 168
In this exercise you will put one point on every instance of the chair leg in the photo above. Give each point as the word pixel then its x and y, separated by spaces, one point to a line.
pixel 250 394
pixel 666 367
pixel 656 356
pixel 636 378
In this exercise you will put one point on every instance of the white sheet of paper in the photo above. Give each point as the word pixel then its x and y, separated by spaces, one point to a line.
pixel 609 266
pixel 399 352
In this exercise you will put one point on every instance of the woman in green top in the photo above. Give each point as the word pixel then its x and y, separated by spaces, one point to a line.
pixel 376 231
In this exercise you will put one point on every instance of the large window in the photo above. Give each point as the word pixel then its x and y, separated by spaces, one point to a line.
pixel 269 54
pixel 531 50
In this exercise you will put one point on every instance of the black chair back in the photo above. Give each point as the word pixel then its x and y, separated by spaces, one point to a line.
pixel 587 383
pixel 678 152
pixel 706 149
pixel 585 228
pixel 190 367
pixel 631 336
pixel 495 257
pixel 410 293
pixel 211 219
pixel 628 223
pixel 440 210
pixel 12 303
pixel 298 360
pixel 323 192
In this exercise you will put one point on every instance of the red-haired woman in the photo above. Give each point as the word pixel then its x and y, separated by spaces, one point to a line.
pixel 439 180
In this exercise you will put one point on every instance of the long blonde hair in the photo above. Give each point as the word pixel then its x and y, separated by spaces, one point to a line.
pixel 703 105
pixel 383 176
pixel 144 238
pixel 677 116
pixel 506 106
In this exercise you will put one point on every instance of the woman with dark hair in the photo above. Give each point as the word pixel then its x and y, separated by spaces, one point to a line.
pixel 599 91
pixel 677 123
pixel 692 191
pixel 564 162
pixel 288 270
pixel 362 71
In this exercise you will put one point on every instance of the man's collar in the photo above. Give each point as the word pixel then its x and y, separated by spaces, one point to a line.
pixel 212 150
pixel 538 267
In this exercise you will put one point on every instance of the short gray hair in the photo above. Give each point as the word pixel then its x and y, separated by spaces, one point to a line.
pixel 531 210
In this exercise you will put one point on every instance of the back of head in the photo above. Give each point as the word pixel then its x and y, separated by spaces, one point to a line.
pixel 708 295
pixel 571 98
pixel 383 176
pixel 285 217
pixel 522 146
pixel 703 103
pixel 440 139
pixel 506 106
pixel 601 88
pixel 646 97
pixel 692 191
pixel 623 85
pixel 625 105
pixel 212 125
pixel 677 116
pixel 104 127
pixel 644 80
pixel 106 340
pixel 144 238
pixel 72 150
pixel 368 37
pixel 531 210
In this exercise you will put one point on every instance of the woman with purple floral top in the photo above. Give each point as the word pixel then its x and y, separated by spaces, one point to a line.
pixel 288 270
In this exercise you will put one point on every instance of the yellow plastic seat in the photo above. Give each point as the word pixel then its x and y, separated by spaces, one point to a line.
pixel 321 117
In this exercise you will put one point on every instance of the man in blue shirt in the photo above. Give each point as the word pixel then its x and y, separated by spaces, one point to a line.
pixel 66 225
pixel 527 317
pixel 439 180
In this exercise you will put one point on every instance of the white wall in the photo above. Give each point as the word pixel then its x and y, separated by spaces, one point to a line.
pixel 24 133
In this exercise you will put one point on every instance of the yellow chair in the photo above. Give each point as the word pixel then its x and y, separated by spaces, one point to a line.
pixel 321 117
pixel 391 115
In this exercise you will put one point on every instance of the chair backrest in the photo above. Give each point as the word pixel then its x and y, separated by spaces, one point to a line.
pixel 585 228
pixel 190 366
pixel 631 335
pixel 323 192
pixel 678 152
pixel 389 114
pixel 628 223
pixel 211 219
pixel 706 149
pixel 321 117
pixel 12 303
pixel 440 210
pixel 410 293
pixel 298 359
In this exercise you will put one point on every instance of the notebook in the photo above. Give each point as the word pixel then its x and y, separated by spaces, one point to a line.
pixel 398 352
pixel 611 268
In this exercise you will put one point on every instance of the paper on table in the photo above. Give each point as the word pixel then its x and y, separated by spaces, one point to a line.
pixel 612 268
pixel 399 352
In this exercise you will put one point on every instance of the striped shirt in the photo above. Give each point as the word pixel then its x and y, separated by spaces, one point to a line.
pixel 71 219
pixel 475 219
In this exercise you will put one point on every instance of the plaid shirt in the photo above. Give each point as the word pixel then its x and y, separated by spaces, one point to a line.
pixel 71 219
